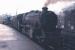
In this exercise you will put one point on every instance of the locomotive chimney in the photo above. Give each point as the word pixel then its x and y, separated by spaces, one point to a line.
pixel 44 9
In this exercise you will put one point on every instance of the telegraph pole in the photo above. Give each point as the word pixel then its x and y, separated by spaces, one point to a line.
pixel 16 11
pixel 18 24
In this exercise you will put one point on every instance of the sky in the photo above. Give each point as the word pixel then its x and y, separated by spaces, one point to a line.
pixel 22 6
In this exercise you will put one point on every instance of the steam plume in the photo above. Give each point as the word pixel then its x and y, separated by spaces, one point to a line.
pixel 54 1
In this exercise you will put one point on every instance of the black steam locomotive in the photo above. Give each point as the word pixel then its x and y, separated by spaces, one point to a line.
pixel 39 26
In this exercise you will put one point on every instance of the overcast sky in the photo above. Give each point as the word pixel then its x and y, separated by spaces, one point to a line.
pixel 21 6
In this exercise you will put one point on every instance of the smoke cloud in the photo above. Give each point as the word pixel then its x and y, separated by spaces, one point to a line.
pixel 54 1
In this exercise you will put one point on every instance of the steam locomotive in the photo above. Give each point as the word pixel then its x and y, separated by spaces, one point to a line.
pixel 28 23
